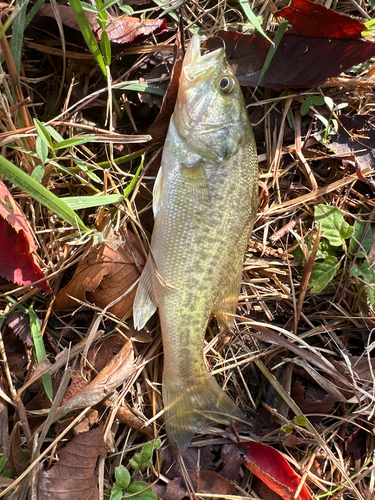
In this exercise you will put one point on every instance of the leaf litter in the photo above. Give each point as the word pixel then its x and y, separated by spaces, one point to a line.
pixel 300 363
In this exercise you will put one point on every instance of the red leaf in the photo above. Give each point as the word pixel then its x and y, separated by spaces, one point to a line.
pixel 17 244
pixel 311 19
pixel 300 61
pixel 272 468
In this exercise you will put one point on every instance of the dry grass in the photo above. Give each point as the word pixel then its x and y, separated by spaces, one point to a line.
pixel 287 338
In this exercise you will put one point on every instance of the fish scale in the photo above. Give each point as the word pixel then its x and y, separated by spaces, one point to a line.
pixel 205 200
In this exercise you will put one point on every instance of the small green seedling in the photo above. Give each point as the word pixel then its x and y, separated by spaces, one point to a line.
pixel 138 490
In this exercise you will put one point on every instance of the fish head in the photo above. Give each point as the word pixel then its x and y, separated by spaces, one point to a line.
pixel 210 113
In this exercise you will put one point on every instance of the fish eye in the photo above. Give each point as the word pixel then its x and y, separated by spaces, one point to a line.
pixel 226 84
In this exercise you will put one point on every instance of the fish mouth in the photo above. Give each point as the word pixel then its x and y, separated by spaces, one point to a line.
pixel 195 65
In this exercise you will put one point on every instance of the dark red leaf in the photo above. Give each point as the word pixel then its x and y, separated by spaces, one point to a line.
pixel 312 19
pixel 300 61
pixel 272 468
pixel 17 244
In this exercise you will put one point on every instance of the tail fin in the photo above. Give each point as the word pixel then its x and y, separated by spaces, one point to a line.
pixel 189 407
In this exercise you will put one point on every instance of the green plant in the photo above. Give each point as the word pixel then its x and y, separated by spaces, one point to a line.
pixel 340 240
pixel 331 125
pixel 138 490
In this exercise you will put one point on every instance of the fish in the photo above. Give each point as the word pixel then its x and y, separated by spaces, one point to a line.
pixel 205 199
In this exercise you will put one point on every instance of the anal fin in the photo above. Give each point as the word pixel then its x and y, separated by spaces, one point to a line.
pixel 225 309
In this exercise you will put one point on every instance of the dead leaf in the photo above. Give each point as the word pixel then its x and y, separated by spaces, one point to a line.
pixel 19 322
pixel 272 468
pixel 73 476
pixel 159 128
pixel 356 134
pixel 115 373
pixel 17 244
pixel 173 491
pixel 211 482
pixel 122 30
pixel 232 460
pixel 19 458
pixel 104 275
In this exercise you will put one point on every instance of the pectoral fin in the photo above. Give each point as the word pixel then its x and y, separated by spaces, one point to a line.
pixel 194 185
pixel 158 191
pixel 144 306
pixel 225 310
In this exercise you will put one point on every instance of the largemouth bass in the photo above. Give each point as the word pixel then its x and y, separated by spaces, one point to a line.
pixel 204 202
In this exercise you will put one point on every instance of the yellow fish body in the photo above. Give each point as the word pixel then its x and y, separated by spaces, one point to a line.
pixel 205 200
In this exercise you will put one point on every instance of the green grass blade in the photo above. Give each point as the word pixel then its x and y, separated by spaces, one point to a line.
pixel 74 141
pixel 253 18
pixel 9 21
pixel 132 183
pixel 40 351
pixel 142 87
pixel 272 50
pixel 43 133
pixel 40 193
pixel 18 34
pixel 33 12
pixel 79 202
pixel 87 33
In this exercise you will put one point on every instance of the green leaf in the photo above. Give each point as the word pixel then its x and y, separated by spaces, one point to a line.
pixel 40 193
pixel 38 173
pixel 368 273
pixel 40 350
pixel 300 420
pixel 334 228
pixel 87 33
pixel 359 227
pixel 43 133
pixel 143 459
pixel 322 273
pixel 122 476
pixel 94 177
pixel 80 202
pixel 116 493
pixel 288 429
pixel 142 87
pixel 305 108
pixel 105 47
pixel 41 149
pixel 54 133
pixel 137 487
pixel 253 18
pixel 317 100
pixel 74 141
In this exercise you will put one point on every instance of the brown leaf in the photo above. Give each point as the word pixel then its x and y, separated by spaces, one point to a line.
pixel 232 460
pixel 211 482
pixel 73 476
pixel 173 491
pixel 124 29
pixel 17 244
pixel 102 276
pixel 114 374
pixel 356 134
pixel 159 128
